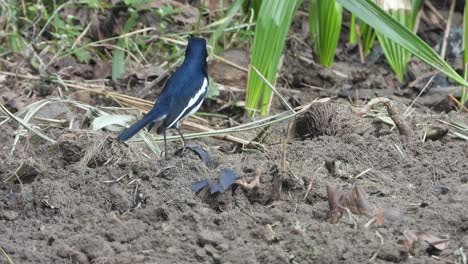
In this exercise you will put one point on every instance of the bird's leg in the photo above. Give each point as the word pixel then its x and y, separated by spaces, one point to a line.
pixel 183 139
pixel 165 144
pixel 150 126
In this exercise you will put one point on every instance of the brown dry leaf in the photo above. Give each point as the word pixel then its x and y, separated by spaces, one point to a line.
pixel 383 215
pixel 355 200
pixel 212 5
pixel 227 74
pixel 412 236
pixel 69 67
pixel 148 71
pixel 13 101
pixel 333 194
pixel 188 14
pixel 102 69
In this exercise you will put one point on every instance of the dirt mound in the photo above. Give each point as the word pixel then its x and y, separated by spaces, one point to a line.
pixel 89 199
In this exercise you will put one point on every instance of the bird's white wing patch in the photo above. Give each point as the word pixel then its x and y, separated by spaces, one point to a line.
pixel 193 101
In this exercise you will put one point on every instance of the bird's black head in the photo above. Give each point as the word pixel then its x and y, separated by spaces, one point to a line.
pixel 196 48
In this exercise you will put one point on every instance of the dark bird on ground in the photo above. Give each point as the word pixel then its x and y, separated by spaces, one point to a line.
pixel 182 95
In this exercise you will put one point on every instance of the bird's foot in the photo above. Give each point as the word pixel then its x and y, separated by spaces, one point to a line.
pixel 180 152
pixel 199 151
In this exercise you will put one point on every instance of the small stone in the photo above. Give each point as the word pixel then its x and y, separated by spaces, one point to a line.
pixel 210 237
pixel 464 242
pixel 347 255
pixel 392 254
pixel 223 247
pixel 8 215
pixel 211 251
pixel 75 256
pixel 200 254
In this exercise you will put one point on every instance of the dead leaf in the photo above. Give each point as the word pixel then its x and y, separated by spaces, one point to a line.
pixel 187 15
pixel 385 215
pixel 355 200
pixel 149 71
pixel 412 236
pixel 102 69
pixel 214 5
pixel 227 74
pixel 435 133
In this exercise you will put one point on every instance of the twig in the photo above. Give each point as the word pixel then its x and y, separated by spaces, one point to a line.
pixel 145 106
pixel 351 216
pixel 273 89
pixel 370 222
pixel 25 125
pixel 230 63
pixel 162 76
pixel 447 29
pixel 10 261
pixel 402 127
pixel 71 51
pixel 436 13
pixel 30 77
pixel 378 251
pixel 419 95
pixel 253 184
pixel 443 259
pixel 117 180
pixel 284 149
pixel 458 102
pixel 360 44
pixel 362 173
pixel 313 180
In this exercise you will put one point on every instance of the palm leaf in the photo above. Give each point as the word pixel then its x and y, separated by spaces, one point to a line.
pixel 383 23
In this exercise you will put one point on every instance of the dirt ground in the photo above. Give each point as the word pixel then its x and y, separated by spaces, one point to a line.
pixel 90 199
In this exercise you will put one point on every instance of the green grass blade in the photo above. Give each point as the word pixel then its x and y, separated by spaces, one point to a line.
pixel 235 6
pixel 325 24
pixel 118 56
pixel 25 124
pixel 253 5
pixel 397 56
pixel 392 29
pixel 416 6
pixel 352 30
pixel 272 26
pixel 368 36
pixel 464 95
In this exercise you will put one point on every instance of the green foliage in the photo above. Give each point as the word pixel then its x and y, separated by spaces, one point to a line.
pixel 213 91
pixel 368 36
pixel 270 33
pixel 397 56
pixel 252 6
pixel 464 96
pixel 383 23
pixel 416 6
pixel 352 30
pixel 9 17
pixel 52 26
pixel 133 2
pixel 167 11
pixel 325 27
pixel 225 22
pixel 118 56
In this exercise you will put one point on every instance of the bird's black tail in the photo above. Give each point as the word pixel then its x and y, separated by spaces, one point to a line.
pixel 146 120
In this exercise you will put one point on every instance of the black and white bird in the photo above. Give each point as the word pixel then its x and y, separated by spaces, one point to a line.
pixel 182 95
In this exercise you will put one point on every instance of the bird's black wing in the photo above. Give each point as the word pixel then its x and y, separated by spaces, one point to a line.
pixel 182 93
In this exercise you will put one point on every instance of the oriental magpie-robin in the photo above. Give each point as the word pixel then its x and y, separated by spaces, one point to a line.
pixel 182 95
